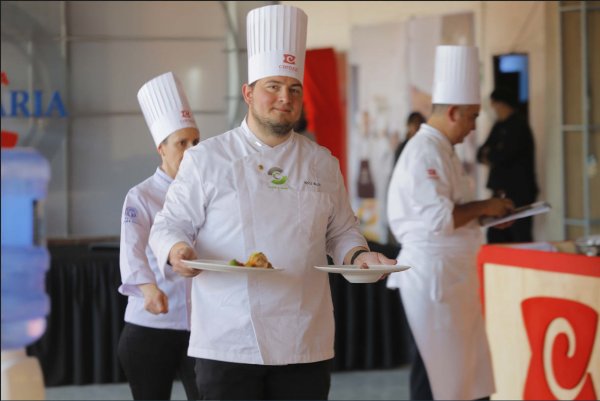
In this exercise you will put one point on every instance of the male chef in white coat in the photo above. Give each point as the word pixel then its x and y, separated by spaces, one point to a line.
pixel 262 187
pixel 432 214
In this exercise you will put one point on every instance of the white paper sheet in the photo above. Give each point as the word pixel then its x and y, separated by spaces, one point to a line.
pixel 518 213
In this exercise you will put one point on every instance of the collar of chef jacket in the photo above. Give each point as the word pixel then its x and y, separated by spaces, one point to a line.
pixel 162 178
pixel 441 138
pixel 257 143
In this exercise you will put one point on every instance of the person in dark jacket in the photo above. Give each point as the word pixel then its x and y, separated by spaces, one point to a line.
pixel 509 151
pixel 413 123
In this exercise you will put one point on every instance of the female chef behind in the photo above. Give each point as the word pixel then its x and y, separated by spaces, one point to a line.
pixel 154 341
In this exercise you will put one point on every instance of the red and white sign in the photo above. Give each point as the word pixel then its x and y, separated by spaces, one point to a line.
pixel 561 337
pixel 542 313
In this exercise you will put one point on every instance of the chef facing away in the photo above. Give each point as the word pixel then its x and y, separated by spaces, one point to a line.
pixel 432 213
pixel 262 187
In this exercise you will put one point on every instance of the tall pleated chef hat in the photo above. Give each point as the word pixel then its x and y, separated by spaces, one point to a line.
pixel 276 42
pixel 456 77
pixel 165 106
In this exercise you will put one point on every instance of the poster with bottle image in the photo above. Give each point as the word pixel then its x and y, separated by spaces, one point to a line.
pixel 390 76
pixel 377 101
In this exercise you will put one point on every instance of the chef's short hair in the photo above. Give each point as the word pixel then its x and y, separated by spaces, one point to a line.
pixel 441 108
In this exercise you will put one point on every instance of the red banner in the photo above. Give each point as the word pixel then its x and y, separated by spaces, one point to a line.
pixel 322 104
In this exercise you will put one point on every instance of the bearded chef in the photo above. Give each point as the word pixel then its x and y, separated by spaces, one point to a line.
pixel 153 344
pixel 262 187
pixel 432 214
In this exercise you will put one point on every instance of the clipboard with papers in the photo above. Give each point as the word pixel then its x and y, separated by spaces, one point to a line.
pixel 518 213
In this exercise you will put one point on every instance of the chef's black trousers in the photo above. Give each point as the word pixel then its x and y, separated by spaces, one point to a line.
pixel 219 380
pixel 151 359
pixel 419 381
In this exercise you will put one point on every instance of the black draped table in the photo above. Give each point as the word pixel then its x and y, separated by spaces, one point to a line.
pixel 86 318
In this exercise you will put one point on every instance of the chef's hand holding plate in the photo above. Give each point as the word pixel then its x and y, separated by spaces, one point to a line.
pixel 182 251
pixel 374 258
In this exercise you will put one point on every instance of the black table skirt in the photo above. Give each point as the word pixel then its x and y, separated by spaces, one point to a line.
pixel 86 318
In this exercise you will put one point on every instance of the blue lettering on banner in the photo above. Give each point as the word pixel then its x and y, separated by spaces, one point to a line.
pixel 22 104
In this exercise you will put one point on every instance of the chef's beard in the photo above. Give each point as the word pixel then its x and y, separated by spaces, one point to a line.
pixel 278 129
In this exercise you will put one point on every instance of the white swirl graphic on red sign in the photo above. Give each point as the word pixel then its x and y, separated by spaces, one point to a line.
pixel 561 335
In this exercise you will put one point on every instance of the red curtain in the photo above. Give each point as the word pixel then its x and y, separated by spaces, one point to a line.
pixel 322 103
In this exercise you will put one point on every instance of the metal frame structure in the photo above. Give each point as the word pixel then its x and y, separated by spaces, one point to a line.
pixel 66 38
pixel 585 127
pixel 233 44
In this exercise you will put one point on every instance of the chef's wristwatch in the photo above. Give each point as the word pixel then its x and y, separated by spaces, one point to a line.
pixel 353 258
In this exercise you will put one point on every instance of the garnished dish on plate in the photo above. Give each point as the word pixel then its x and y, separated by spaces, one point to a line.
pixel 256 259
pixel 257 262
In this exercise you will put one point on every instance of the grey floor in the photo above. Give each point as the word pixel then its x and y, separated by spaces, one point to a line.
pixel 356 385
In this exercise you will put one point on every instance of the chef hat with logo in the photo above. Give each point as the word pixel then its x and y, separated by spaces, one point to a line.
pixel 456 77
pixel 276 37
pixel 165 106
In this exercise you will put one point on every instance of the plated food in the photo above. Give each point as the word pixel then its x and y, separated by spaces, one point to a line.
pixel 261 265
pixel 256 259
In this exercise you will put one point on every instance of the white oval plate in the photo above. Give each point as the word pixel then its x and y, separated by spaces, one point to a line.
pixel 224 266
pixel 354 274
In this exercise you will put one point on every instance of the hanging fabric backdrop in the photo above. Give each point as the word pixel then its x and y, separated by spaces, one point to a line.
pixel 322 103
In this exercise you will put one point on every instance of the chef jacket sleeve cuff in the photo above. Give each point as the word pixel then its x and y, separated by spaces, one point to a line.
pixel 130 290
pixel 161 242
pixel 131 283
pixel 350 240
pixel 163 255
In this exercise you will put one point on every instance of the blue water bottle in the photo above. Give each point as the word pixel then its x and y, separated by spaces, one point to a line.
pixel 25 259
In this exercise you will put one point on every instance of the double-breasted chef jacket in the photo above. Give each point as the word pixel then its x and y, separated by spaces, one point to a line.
pixel 440 292
pixel 235 195
pixel 138 264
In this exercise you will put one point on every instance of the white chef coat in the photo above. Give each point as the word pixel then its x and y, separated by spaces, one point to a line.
pixel 440 292
pixel 138 264
pixel 224 197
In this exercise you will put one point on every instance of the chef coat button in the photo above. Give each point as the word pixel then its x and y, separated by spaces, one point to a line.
pixel 260 167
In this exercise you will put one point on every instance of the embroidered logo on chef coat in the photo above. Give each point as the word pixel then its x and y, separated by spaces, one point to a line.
pixel 279 179
pixel 130 215
pixel 431 173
